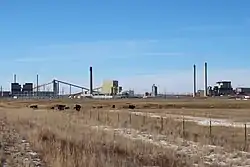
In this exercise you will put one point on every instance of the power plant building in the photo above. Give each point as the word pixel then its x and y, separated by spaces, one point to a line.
pixel 111 87
pixel 221 88
pixel 27 88
pixel 242 91
pixel 15 88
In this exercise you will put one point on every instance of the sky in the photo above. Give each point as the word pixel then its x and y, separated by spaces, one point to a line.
pixel 138 42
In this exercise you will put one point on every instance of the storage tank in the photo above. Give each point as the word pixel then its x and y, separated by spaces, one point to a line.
pixel 154 90
pixel 55 88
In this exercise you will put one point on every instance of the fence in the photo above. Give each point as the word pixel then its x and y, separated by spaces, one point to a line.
pixel 232 137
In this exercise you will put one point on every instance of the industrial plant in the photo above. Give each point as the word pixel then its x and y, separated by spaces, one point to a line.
pixel 113 89
pixel 221 88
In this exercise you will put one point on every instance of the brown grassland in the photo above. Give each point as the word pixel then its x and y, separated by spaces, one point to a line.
pixel 70 138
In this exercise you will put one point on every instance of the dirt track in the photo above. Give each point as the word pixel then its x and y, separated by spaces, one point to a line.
pixel 15 150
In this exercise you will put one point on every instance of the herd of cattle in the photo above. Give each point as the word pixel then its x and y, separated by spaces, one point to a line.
pixel 78 107
pixel 60 107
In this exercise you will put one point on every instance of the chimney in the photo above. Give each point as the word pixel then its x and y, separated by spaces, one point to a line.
pixel 14 78
pixel 37 88
pixel 91 80
pixel 194 89
pixel 205 79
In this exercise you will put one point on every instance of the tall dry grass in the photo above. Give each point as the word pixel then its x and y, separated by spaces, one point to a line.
pixel 66 141
pixel 230 138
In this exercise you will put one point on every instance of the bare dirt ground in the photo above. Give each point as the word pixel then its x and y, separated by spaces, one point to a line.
pixel 152 134
pixel 15 150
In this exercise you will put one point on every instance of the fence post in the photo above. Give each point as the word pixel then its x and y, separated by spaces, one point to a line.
pixel 245 136
pixel 130 118
pixel 90 115
pixel 118 117
pixel 183 127
pixel 114 143
pixel 144 119
pixel 98 116
pixel 107 117
pixel 210 128
pixel 161 124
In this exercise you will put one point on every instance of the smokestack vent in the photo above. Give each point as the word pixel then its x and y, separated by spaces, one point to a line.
pixel 91 80
pixel 14 78
pixel 194 89
pixel 205 79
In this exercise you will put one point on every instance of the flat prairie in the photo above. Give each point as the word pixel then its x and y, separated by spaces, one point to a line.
pixel 125 132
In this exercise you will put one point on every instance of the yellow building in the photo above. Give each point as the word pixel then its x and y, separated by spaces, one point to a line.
pixel 110 87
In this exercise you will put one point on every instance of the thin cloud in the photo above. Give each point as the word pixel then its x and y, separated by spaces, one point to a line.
pixel 102 43
pixel 99 50
pixel 31 59
pixel 45 59
pixel 209 27
pixel 164 54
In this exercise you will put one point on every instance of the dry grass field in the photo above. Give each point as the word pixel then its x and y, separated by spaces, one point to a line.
pixel 105 133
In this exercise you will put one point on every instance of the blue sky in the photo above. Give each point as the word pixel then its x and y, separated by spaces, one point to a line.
pixel 138 42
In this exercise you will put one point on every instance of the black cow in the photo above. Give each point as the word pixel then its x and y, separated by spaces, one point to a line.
pixel 34 106
pixel 60 106
pixel 131 106
pixel 77 107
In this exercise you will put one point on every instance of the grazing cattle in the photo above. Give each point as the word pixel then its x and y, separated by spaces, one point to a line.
pixel 131 106
pixel 99 106
pixel 34 106
pixel 61 107
pixel 77 107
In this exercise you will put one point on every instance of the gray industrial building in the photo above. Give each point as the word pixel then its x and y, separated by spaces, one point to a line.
pixel 242 91
pixel 16 88
pixel 27 88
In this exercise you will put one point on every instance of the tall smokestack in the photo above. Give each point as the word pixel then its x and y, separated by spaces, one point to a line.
pixel 194 90
pixel 91 80
pixel 37 84
pixel 14 78
pixel 205 79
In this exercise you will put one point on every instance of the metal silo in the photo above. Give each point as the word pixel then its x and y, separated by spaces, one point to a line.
pixel 154 90
pixel 55 88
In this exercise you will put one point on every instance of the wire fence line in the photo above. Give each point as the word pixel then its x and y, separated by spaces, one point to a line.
pixel 183 128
